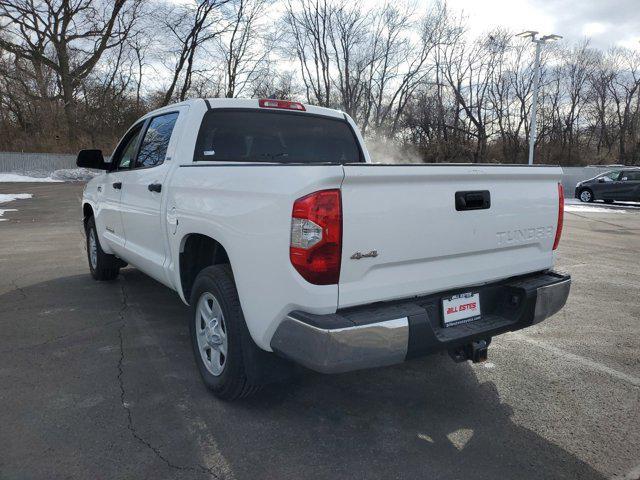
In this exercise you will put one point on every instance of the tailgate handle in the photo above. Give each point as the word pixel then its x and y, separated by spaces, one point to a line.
pixel 475 200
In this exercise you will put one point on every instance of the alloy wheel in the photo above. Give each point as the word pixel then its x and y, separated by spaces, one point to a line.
pixel 211 333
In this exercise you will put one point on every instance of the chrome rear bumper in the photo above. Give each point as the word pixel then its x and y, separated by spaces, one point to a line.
pixel 550 299
pixel 389 333
pixel 343 349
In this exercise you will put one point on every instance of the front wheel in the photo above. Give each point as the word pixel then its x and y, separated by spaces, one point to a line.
pixel 586 196
pixel 218 333
pixel 102 265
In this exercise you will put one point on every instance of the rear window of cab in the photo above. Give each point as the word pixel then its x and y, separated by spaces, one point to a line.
pixel 228 135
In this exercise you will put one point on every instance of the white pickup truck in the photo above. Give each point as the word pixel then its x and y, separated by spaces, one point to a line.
pixel 268 218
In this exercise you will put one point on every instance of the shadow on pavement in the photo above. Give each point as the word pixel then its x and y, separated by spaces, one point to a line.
pixel 99 381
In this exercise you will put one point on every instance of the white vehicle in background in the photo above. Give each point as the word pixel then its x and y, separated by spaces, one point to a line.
pixel 269 220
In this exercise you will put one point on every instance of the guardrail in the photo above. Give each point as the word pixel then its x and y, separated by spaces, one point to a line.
pixel 573 175
pixel 47 163
pixel 35 162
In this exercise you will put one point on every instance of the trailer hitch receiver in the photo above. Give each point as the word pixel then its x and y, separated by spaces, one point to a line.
pixel 475 351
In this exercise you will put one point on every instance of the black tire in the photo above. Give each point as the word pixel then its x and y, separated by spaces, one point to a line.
pixel 232 383
pixel 105 266
pixel 608 201
pixel 590 195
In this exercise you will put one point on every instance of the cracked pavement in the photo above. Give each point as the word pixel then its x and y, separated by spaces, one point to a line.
pixel 97 380
pixel 126 406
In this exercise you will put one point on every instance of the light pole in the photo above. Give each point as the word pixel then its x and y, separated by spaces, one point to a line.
pixel 536 80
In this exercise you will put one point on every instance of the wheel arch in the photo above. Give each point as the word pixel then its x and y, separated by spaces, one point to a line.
pixel 87 213
pixel 198 251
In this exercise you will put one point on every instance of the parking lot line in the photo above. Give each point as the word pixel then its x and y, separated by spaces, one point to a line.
pixel 635 381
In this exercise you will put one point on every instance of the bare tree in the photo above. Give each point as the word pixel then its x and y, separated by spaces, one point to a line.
pixel 469 70
pixel 600 106
pixel 624 88
pixel 81 71
pixel 510 95
pixel 309 23
pixel 276 84
pixel 349 38
pixel 573 73
pixel 390 47
pixel 435 30
pixel 245 45
pixel 67 36
pixel 190 28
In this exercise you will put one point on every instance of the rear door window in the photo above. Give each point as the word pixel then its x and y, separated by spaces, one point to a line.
pixel 276 137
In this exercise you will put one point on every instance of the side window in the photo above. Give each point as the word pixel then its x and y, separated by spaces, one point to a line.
pixel 125 152
pixel 611 176
pixel 156 140
pixel 632 176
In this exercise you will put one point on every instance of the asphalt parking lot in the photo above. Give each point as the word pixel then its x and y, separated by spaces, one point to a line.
pixel 98 381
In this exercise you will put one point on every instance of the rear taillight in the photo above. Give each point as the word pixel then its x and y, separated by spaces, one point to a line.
pixel 285 104
pixel 316 237
pixel 560 216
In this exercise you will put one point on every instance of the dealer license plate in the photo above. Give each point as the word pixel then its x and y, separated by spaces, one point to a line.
pixel 462 308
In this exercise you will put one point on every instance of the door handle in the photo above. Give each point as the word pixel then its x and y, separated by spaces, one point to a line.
pixel 155 187
pixel 117 185
pixel 474 200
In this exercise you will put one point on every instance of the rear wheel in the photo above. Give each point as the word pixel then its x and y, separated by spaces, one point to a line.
pixel 102 265
pixel 218 333
pixel 586 195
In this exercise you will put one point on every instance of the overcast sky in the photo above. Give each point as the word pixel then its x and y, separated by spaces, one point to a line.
pixel 606 22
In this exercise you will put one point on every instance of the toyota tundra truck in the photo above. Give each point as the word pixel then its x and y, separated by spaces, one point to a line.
pixel 291 248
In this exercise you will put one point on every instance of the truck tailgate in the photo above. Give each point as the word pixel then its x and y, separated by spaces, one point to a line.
pixel 407 215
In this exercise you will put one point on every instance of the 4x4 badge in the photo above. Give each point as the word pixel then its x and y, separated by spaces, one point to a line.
pixel 358 255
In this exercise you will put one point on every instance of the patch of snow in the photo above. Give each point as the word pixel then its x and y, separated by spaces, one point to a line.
pixel 16 177
pixel 2 210
pixel 591 209
pixel 64 175
pixel 74 174
pixel 575 205
pixel 10 197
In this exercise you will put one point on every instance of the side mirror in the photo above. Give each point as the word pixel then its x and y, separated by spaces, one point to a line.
pixel 601 180
pixel 92 159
